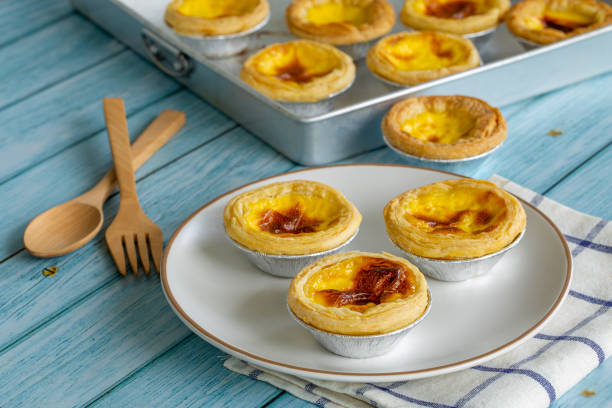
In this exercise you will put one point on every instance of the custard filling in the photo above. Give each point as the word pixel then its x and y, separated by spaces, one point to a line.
pixel 440 127
pixel 453 9
pixel 424 52
pixel 337 12
pixel 359 283
pixel 295 63
pixel 562 20
pixel 215 9
pixel 455 210
pixel 292 214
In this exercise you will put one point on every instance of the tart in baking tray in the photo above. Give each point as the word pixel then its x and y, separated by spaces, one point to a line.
pixel 359 293
pixel 548 21
pixel 453 16
pixel 213 17
pixel 340 22
pixel 444 127
pixel 454 219
pixel 299 71
pixel 291 218
pixel 410 58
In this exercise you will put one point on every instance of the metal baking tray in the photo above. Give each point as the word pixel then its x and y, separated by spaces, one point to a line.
pixel 509 73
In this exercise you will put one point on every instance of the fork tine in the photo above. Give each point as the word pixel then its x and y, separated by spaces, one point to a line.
pixel 116 250
pixel 143 252
pixel 130 249
pixel 157 246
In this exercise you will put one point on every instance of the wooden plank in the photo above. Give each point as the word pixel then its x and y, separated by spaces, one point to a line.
pixel 598 381
pixel 20 17
pixel 52 54
pixel 50 121
pixel 203 382
pixel 81 165
pixel 87 344
pixel 588 189
pixel 288 400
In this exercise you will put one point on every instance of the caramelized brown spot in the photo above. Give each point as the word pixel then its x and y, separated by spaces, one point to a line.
pixel 449 224
pixel 561 24
pixel 453 9
pixel 437 46
pixel 296 72
pixel 292 221
pixel 376 280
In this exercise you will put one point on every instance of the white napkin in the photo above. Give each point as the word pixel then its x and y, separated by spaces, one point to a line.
pixel 574 342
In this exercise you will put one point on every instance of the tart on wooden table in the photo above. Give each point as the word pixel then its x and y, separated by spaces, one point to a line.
pixel 549 21
pixel 299 71
pixel 444 127
pixel 410 58
pixel 454 219
pixel 291 218
pixel 213 17
pixel 340 22
pixel 454 16
pixel 359 294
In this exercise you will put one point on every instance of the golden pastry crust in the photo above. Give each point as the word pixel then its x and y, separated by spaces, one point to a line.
pixel 291 218
pixel 410 58
pixel 444 127
pixel 372 18
pixel 453 16
pixel 216 18
pixel 549 21
pixel 299 71
pixel 394 311
pixel 454 219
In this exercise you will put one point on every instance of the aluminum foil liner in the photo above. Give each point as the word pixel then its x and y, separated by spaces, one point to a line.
pixel 462 269
pixel 528 45
pixel 219 46
pixel 314 108
pixel 481 37
pixel 361 346
pixel 285 266
pixel 357 51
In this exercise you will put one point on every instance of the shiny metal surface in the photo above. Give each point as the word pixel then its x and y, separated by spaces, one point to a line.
pixel 285 266
pixel 359 50
pixel 462 269
pixel 508 74
pixel 360 346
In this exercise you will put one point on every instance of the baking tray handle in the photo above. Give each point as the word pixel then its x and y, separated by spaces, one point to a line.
pixel 167 57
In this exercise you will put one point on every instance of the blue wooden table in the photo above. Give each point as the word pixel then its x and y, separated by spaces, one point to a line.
pixel 86 336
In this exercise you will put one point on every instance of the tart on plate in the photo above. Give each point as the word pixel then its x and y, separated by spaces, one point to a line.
pixel 444 127
pixel 291 218
pixel 359 294
pixel 213 17
pixel 454 219
pixel 549 21
pixel 410 58
pixel 340 22
pixel 299 71
pixel 453 16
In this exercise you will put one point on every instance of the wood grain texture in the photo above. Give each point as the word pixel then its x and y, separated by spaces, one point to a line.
pixel 81 165
pixel 48 122
pixel 20 17
pixel 54 53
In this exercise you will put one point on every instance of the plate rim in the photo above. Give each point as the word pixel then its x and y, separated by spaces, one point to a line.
pixel 349 376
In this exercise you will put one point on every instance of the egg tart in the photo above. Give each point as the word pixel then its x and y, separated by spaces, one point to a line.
pixel 299 71
pixel 340 22
pixel 410 58
pixel 213 17
pixel 453 16
pixel 359 293
pixel 291 218
pixel 454 219
pixel 444 127
pixel 548 21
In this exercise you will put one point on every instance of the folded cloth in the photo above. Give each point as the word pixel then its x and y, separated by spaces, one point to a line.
pixel 574 342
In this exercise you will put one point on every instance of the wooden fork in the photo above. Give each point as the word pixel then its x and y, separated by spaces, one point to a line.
pixel 131 227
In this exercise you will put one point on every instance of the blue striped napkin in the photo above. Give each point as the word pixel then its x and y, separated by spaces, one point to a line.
pixel 574 342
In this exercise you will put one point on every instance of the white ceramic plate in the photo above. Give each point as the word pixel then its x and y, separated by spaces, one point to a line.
pixel 241 310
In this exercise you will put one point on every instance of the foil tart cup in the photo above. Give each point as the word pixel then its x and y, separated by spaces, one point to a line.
pixel 480 38
pixel 361 346
pixel 314 108
pixel 460 269
pixel 357 51
pixel 285 266
pixel 427 159
pixel 527 45
pixel 220 46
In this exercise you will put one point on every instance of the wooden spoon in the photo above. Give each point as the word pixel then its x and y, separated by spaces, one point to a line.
pixel 70 225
